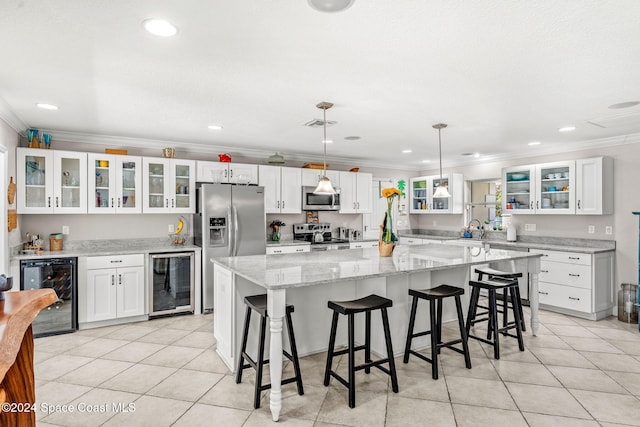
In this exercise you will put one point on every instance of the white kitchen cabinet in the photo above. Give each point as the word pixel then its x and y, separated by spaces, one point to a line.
pixel 114 288
pixel 168 185
pixel 576 283
pixel 291 249
pixel 115 183
pixel 311 177
pixel 282 188
pixel 224 314
pixel 226 172
pixel 51 181
pixel 355 192
pixel 582 187
pixel 594 186
pixel 410 241
pixel 363 244
pixel 422 189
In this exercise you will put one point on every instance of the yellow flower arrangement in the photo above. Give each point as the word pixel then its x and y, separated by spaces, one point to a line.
pixel 388 235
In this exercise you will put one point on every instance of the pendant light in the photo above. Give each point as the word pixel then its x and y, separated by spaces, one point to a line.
pixel 324 185
pixel 441 190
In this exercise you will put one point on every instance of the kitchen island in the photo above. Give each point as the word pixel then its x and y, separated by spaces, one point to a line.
pixel 309 280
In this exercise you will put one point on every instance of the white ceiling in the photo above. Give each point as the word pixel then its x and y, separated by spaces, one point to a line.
pixel 499 73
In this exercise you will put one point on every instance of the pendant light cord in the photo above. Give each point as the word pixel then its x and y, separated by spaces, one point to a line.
pixel 440 151
pixel 324 143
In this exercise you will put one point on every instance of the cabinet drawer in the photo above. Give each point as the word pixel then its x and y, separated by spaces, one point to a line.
pixel 566 257
pixel 114 261
pixel 287 249
pixel 565 274
pixel 578 299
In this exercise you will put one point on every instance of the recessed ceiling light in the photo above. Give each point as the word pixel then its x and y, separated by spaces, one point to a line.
pixel 426 161
pixel 352 138
pixel 327 141
pixel 46 106
pixel 407 151
pixel 160 27
pixel 534 143
pixel 624 105
pixel 330 5
pixel 476 155
pixel 214 127
pixel 567 129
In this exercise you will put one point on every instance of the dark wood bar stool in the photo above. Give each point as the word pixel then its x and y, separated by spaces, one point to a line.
pixel 350 308
pixel 509 287
pixel 501 299
pixel 435 297
pixel 258 303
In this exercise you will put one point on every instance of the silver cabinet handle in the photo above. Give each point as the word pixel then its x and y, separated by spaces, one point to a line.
pixel 543 293
pixel 537 204
pixel 278 204
pixel 574 298
pixel 119 279
pixel 574 275
pixel 299 250
pixel 573 257
pixel 226 173
pixel 166 203
pixel 118 201
pixel 112 204
pixel 48 202
pixel 113 280
pixel 579 207
pixel 173 201
pixel 231 173
pixel 57 202
pixel 277 251
pixel 544 271
pixel 283 204
pixel 115 261
pixel 531 205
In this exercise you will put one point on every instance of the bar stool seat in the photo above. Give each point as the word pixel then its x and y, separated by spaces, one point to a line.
pixel 350 309
pixel 435 296
pixel 258 303
pixel 493 285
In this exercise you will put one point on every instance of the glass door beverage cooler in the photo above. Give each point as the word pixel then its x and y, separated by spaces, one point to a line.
pixel 171 287
pixel 59 274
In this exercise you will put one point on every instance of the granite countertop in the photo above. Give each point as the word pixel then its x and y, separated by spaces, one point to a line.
pixel 111 247
pixel 567 244
pixel 314 268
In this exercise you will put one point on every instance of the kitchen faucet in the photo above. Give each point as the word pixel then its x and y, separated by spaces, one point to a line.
pixel 480 228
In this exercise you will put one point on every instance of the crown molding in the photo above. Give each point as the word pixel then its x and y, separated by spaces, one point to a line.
pixel 10 118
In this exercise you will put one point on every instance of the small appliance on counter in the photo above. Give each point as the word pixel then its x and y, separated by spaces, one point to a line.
pixel 319 235
pixel 349 234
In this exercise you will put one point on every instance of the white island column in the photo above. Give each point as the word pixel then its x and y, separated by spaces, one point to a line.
pixel 276 306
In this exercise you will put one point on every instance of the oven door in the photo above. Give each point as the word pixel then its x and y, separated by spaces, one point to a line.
pixel 320 202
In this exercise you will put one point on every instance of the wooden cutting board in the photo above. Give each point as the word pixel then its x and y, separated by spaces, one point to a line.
pixel 11 191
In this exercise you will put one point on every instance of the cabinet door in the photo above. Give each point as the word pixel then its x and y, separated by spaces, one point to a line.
pixel 290 190
pixel 440 204
pixel 182 186
pixel 101 294
pixel 348 202
pixel 70 182
pixel 130 291
pixel 594 186
pixel 519 190
pixel 555 185
pixel 214 172
pixel 418 195
pixel 156 182
pixel 243 174
pixel 34 180
pixel 128 184
pixel 363 192
pixel 101 183
pixel 269 178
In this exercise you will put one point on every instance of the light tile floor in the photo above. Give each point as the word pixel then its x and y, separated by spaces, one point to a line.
pixel 165 372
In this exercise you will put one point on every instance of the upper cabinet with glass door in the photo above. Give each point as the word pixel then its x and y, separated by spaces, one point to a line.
pixel 51 181
pixel 422 189
pixel 519 193
pixel 555 192
pixel 169 185
pixel 115 183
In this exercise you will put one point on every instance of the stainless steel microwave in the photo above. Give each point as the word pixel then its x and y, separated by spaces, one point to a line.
pixel 320 202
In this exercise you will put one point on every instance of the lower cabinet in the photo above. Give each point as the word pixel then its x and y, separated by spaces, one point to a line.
pixel 274 250
pixel 114 287
pixel 576 283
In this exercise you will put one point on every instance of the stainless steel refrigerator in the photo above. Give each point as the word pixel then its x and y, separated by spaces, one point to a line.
pixel 230 220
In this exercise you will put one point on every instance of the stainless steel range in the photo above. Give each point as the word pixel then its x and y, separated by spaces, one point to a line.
pixel 319 235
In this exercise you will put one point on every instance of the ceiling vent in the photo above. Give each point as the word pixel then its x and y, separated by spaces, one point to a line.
pixel 318 123
pixel 619 120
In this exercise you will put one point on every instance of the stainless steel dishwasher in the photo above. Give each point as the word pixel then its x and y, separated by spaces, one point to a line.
pixel 171 283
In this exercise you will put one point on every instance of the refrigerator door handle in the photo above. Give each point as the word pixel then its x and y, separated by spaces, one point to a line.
pixel 235 231
pixel 229 228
